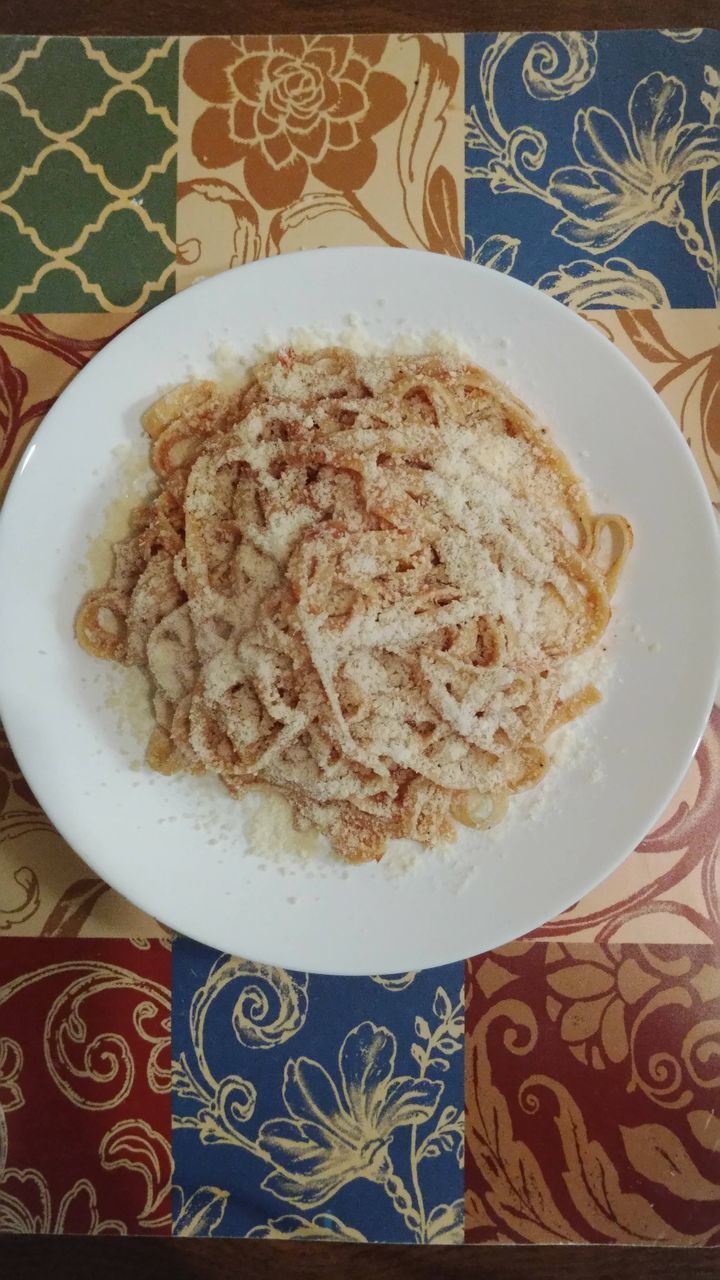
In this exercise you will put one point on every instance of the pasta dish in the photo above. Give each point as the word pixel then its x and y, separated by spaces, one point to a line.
pixel 359 580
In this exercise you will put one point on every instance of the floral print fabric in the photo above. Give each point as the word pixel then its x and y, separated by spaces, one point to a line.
pixel 150 1085
pixel 594 155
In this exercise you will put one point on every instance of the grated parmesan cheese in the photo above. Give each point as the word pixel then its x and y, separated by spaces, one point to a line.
pixel 508 468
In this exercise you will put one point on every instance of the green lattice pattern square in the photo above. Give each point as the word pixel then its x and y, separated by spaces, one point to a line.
pixel 87 173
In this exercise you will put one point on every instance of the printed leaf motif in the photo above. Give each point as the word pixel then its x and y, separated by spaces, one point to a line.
pixel 11 1061
pixel 246 243
pixel 13 390
pixel 78 1214
pixel 441 216
pixel 705 1126
pixel 73 909
pixel 685 36
pixel 496 251
pixel 202 1213
pixel 615 283
pixel 659 1155
pixel 710 402
pixel 184 1084
pixel 477 137
pixel 291 1226
pixel 648 337
pixel 218 189
pixel 442 1007
pixel 593 1181
pixel 448 1134
pixel 233 216
pixel 517 1190
pixel 188 251
pixel 395 981
pixel 580 980
pixel 476 1215
pixel 314 204
pixel 423 124
pixel 25 878
pixel 133 1144
pixel 448 1044
pixel 445 1223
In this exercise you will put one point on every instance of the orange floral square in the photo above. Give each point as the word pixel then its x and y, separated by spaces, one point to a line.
pixel 296 142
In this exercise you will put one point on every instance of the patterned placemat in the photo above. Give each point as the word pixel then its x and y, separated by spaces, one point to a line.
pixel 563 1088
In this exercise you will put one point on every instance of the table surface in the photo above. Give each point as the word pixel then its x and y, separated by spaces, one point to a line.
pixel 74 1258
pixel 149 17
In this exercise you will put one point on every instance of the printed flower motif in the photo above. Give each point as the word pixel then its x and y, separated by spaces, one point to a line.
pixel 337 1135
pixel 615 283
pixel 290 106
pixel 594 1003
pixel 324 1226
pixel 624 181
pixel 26 1209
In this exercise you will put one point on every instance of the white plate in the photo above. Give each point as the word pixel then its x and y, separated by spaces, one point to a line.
pixel 176 846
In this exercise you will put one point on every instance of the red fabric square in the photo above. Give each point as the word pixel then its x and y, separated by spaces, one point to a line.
pixel 84 1086
pixel 592 1094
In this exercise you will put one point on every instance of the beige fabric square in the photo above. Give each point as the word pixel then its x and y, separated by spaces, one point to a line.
pixel 298 142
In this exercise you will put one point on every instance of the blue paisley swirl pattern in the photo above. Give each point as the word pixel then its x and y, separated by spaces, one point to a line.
pixel 593 157
pixel 339 1101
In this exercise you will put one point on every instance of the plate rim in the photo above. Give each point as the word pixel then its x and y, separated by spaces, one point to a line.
pixel 217 281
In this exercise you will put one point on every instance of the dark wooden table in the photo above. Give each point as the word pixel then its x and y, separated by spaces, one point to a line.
pixel 152 17
pixel 74 1258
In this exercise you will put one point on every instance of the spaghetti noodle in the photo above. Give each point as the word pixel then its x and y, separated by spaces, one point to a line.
pixel 360 581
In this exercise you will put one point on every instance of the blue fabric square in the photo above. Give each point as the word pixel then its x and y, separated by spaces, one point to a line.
pixel 593 163
pixel 314 1107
